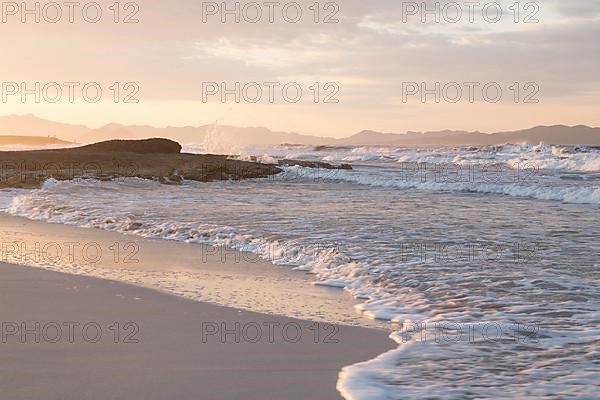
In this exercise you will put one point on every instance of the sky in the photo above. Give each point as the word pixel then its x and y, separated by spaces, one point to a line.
pixel 326 68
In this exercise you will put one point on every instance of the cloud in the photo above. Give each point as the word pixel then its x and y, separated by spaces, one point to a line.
pixel 369 52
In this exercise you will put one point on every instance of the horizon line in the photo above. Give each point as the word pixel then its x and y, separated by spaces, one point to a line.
pixel 422 132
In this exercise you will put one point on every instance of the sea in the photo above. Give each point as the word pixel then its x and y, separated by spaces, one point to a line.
pixel 483 262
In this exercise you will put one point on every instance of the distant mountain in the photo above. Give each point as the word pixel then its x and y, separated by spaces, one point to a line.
pixel 119 131
pixel 31 141
pixel 409 138
pixel 224 138
pixel 557 134
pixel 208 133
pixel 30 125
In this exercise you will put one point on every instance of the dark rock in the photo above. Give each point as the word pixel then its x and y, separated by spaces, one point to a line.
pixel 313 164
pixel 146 146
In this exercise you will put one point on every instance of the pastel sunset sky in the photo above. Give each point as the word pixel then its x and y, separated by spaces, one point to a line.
pixel 367 50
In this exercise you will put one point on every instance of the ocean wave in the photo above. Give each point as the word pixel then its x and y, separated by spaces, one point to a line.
pixel 568 194
pixel 465 357
pixel 330 266
pixel 516 156
pixel 562 158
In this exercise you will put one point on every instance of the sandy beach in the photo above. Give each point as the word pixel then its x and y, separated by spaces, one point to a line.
pixel 172 358
pixel 79 337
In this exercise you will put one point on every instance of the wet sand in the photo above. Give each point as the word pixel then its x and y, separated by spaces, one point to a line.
pixel 166 347
pixel 198 272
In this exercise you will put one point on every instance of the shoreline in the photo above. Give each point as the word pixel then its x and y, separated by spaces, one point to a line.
pixel 194 271
pixel 163 346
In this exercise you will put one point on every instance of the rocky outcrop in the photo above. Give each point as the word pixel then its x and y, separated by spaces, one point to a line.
pixel 146 146
pixel 156 159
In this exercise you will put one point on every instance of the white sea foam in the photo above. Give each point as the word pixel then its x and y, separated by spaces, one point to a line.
pixel 578 194
pixel 516 156
pixel 331 267
pixel 542 156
